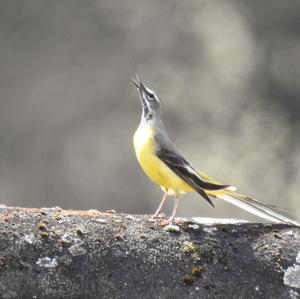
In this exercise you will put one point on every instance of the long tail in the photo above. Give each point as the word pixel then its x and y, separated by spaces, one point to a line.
pixel 254 206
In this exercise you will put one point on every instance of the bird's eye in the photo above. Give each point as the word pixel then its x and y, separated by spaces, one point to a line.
pixel 151 96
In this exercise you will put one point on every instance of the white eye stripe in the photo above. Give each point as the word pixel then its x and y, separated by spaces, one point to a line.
pixel 148 90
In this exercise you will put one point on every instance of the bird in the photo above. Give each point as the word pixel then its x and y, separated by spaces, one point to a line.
pixel 166 166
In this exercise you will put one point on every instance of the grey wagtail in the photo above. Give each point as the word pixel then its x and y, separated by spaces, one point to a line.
pixel 164 164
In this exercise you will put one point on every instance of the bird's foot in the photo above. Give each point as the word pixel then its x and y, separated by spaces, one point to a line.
pixel 164 222
pixel 170 221
pixel 159 215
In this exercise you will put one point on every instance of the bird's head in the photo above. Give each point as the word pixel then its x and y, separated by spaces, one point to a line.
pixel 150 101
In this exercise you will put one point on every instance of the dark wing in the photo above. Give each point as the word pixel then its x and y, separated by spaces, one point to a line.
pixel 168 153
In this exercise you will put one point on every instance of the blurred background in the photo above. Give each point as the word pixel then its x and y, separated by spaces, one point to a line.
pixel 228 73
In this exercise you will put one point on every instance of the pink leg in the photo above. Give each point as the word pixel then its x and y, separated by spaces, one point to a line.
pixel 174 209
pixel 164 198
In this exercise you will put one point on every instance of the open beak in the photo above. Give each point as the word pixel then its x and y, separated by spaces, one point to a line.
pixel 138 84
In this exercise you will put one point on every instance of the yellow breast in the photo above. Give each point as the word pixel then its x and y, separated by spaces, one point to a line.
pixel 145 148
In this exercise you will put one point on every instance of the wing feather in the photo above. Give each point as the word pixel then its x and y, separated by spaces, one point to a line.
pixel 205 186
pixel 186 172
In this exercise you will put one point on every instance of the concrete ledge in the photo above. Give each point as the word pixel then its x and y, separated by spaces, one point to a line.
pixel 54 253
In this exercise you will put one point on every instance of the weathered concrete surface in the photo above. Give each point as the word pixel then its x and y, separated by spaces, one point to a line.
pixel 51 253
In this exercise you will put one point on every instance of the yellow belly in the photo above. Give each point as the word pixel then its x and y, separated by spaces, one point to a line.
pixel 154 168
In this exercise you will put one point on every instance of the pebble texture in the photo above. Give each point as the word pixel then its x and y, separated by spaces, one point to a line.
pixel 55 253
